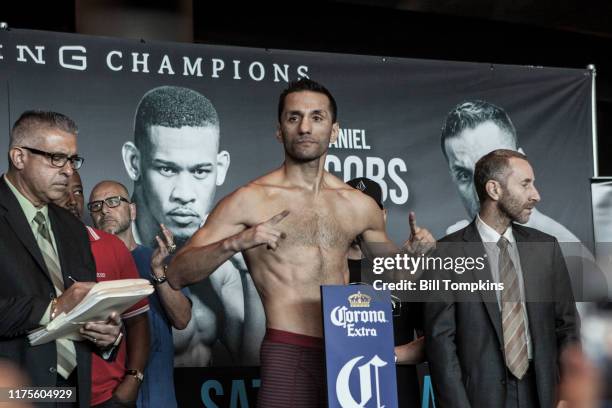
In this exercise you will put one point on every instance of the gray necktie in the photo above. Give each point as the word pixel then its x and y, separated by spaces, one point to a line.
pixel 513 321
pixel 66 353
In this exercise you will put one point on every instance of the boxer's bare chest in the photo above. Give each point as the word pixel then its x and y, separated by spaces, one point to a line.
pixel 317 233
pixel 322 221
pixel 315 227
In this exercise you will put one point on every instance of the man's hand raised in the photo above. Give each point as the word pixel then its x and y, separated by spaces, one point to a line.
pixel 264 233
pixel 421 241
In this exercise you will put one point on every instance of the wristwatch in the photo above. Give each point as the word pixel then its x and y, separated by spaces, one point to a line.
pixel 138 374
pixel 161 279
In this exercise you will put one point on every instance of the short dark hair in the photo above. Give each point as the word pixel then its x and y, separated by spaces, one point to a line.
pixel 307 84
pixel 173 107
pixel 493 166
pixel 470 114
pixel 32 121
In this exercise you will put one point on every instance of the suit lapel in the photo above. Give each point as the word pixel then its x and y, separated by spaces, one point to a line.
pixel 476 249
pixel 16 219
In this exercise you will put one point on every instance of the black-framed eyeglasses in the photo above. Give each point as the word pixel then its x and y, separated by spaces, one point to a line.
pixel 111 202
pixel 58 159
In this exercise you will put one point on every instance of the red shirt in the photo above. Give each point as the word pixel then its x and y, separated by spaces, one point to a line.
pixel 113 261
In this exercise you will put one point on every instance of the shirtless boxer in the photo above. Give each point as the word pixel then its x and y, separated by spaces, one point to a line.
pixel 294 226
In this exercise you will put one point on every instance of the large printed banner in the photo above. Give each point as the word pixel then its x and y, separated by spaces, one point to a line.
pixel 415 126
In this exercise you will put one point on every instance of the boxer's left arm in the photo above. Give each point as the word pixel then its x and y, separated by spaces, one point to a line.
pixel 421 240
pixel 375 241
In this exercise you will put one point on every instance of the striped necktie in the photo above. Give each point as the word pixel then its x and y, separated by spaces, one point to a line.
pixel 66 353
pixel 513 320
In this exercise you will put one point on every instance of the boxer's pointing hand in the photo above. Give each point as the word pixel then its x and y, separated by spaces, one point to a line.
pixel 414 229
pixel 277 218
pixel 264 233
pixel 421 241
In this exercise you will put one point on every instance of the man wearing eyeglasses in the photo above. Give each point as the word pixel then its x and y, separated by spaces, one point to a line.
pixel 114 383
pixel 113 213
pixel 46 263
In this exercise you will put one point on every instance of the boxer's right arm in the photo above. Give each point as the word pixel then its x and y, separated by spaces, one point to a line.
pixel 225 233
pixel 210 246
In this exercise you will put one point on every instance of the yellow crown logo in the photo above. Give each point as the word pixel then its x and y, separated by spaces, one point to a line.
pixel 359 300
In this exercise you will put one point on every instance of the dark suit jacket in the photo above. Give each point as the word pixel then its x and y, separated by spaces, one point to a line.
pixel 26 289
pixel 464 340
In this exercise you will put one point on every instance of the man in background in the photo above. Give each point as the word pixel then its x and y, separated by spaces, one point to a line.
pixel 112 212
pixel 114 383
pixel 176 165
pixel 174 162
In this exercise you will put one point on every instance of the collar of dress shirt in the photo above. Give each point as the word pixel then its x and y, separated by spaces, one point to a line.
pixel 28 208
pixel 489 235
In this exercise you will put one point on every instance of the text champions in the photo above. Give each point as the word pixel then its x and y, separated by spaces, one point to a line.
pixel 77 58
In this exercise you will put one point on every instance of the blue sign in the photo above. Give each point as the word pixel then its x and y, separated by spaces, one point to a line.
pixel 359 354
